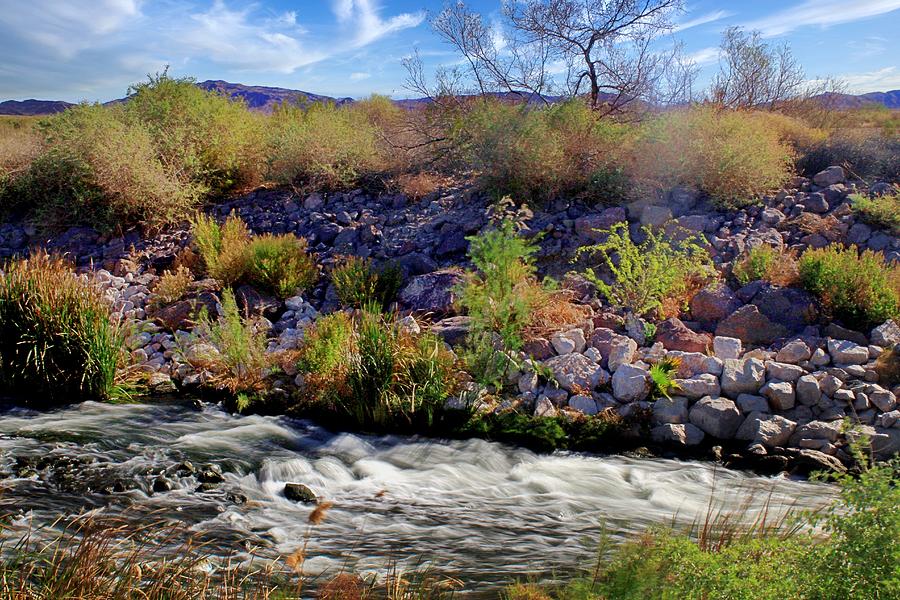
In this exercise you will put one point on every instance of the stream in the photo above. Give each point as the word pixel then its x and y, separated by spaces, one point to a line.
pixel 484 512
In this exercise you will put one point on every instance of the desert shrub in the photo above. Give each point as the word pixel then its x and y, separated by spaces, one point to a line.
pixel 417 186
pixel 881 211
pixel 57 339
pixel 859 289
pixel 172 286
pixel 358 282
pixel 211 140
pixel 280 264
pixel 376 372
pixel 501 295
pixel 864 152
pixel 223 248
pixel 767 263
pixel 646 275
pixel 322 146
pixel 20 143
pixel 100 168
pixel 733 156
pixel 239 363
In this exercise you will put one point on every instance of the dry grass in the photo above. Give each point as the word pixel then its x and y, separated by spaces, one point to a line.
pixel 172 286
pixel 417 186
pixel 555 311
pixel 775 265
pixel 20 144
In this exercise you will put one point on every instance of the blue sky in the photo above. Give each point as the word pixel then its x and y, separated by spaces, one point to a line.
pixel 93 49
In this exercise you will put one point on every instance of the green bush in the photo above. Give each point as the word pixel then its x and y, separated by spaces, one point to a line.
pixel 323 146
pixel 223 248
pixel 240 363
pixel 280 264
pixel 358 282
pixel 881 211
pixel 501 295
pixel 734 156
pixel 865 152
pixel 325 357
pixel 859 289
pixel 646 275
pixel 57 340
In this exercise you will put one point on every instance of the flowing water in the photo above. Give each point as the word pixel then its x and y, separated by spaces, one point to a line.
pixel 483 511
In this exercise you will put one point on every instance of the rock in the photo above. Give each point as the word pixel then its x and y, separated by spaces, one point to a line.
pixel 718 417
pixel 816 203
pixel 749 403
pixel 784 371
pixel 682 199
pixel 787 307
pixel 181 315
pixel 201 352
pixel 297 492
pixel 781 395
pixel 882 399
pixel 566 342
pixel 809 461
pixel 138 340
pixel 845 352
pixel 751 327
pixel 604 340
pixel 772 431
pixel 528 382
pixel 772 216
pixel 251 301
pixel 742 376
pixel 886 335
pixel 830 176
pixel 695 363
pixel 583 404
pixel 622 351
pixel 630 383
pixel 859 234
pixel 670 410
pixel 576 372
pixel 727 347
pixel 433 292
pixel 675 335
pixel 886 443
pixel 593 228
pixel 160 384
pixel 655 216
pixel 162 484
pixel 833 330
pixel 808 391
pixel 699 386
pixel 538 348
pixel 677 433
pixel 794 352
pixel 544 408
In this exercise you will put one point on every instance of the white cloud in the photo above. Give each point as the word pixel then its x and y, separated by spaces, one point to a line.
pixel 359 76
pixel 368 26
pixel 704 56
pixel 881 80
pixel 702 20
pixel 823 13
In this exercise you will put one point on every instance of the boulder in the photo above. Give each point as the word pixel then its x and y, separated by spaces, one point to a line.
pixel 830 176
pixel 184 313
pixel 808 391
pixel 655 216
pixel 698 386
pixel 297 492
pixel 749 403
pixel 772 431
pixel 675 335
pixel 791 308
pixel 592 228
pixel 583 404
pixel 544 407
pixel 252 301
pixel 886 335
pixel 718 417
pixel 810 461
pixel 622 351
pixel 433 292
pixel 566 342
pixel 695 363
pixel 538 348
pixel 742 376
pixel 677 433
pixel 576 372
pixel 604 340
pixel 452 330
pixel 781 395
pixel 845 352
pixel 751 327
pixel 713 303
pixel 670 410
pixel 794 352
pixel 784 371
pixel 727 347
pixel 630 383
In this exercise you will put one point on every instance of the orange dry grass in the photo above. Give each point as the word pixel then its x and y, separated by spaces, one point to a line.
pixel 673 306
pixel 417 186
pixel 556 312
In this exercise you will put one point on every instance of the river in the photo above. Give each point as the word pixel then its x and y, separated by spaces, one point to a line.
pixel 485 512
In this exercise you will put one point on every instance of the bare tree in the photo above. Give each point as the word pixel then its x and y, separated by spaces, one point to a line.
pixel 602 48
pixel 753 74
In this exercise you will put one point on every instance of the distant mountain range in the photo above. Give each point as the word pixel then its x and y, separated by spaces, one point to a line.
pixel 263 99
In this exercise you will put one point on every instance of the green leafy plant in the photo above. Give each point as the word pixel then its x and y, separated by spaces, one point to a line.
pixel 662 377
pixel 501 295
pixel 57 338
pixel 767 263
pixel 646 275
pixel 858 288
pixel 359 283
pixel 172 286
pixel 880 211
pixel 280 264
pixel 223 248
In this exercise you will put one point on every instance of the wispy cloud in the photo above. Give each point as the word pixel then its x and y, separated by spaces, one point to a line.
pixel 704 56
pixel 702 20
pixel 363 17
pixel 359 76
pixel 881 80
pixel 822 13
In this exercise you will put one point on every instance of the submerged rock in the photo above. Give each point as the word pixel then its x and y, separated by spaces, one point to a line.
pixel 297 492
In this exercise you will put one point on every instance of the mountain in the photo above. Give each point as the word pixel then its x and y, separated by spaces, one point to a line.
pixel 263 98
pixel 33 107
pixel 843 101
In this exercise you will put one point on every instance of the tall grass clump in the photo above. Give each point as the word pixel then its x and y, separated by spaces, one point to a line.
pixel 280 264
pixel 358 282
pixel 223 248
pixel 646 277
pixel 767 263
pixel 879 211
pixel 58 341
pixel 866 152
pixel 375 371
pixel 321 147
pixel 734 156
pixel 860 289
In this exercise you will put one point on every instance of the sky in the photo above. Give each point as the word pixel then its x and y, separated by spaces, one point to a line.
pixel 93 49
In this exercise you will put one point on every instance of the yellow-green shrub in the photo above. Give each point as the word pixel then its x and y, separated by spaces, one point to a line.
pixel 881 211
pixel 323 146
pixel 731 155
pixel 765 262
pixel 280 264
pixel 223 248
pixel 20 143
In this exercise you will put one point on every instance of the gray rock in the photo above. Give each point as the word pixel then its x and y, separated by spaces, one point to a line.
pixel 808 391
pixel 433 292
pixel 670 410
pixel 750 326
pixel 544 407
pixel 859 234
pixel 727 347
pixel 830 176
pixel 566 342
pixel 749 403
pixel 576 371
pixel 794 352
pixel 584 404
pixel 655 216
pixel 742 376
pixel 781 395
pixel 630 383
pixel 816 203
pixel 772 431
pixel 622 351
pixel 528 382
pixel 297 492
pixel 698 386
pixel 718 417
pixel 886 335
pixel 845 352
pixel 882 399
pixel 593 228
pixel 677 433
pixel 784 371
